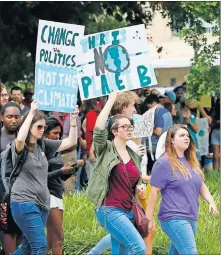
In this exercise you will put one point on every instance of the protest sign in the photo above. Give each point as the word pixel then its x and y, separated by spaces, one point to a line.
pixel 143 125
pixel 203 136
pixel 115 60
pixel 56 84
pixel 140 128
pixel 205 101
pixel 161 145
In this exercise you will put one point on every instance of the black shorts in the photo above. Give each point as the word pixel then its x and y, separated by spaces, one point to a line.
pixel 8 225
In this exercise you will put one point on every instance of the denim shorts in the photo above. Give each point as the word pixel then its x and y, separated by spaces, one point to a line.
pixel 215 138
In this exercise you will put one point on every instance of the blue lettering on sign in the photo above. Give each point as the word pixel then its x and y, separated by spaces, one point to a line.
pixel 115 35
pixel 86 82
pixel 118 82
pixel 104 85
pixel 145 80
pixel 109 37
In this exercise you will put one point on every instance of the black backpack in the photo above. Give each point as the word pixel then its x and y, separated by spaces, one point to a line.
pixel 9 172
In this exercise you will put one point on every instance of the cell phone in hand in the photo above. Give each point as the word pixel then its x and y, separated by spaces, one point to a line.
pixel 72 164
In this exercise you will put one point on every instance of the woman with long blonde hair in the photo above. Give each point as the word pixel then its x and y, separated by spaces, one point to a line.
pixel 177 175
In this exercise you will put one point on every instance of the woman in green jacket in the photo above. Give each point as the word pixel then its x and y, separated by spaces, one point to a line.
pixel 115 175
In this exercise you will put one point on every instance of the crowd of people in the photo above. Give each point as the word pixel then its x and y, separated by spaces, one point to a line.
pixel 93 148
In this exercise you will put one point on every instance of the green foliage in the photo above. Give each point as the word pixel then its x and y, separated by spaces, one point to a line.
pixel 104 22
pixel 82 231
pixel 204 76
pixel 187 17
pixel 19 24
pixel 188 13
pixel 16 64
pixel 208 11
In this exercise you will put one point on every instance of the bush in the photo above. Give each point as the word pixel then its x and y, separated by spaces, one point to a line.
pixel 82 231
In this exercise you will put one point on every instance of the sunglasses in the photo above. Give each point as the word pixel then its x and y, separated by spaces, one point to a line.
pixel 40 127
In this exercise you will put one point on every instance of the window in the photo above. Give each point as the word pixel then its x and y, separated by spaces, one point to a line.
pixel 173 81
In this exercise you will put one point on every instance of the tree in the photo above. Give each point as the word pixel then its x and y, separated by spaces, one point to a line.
pixel 187 18
pixel 104 22
pixel 19 24
pixel 204 76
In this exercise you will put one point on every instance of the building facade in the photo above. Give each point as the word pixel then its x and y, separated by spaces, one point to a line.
pixel 171 55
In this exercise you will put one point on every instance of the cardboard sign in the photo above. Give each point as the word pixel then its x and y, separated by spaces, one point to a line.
pixel 143 126
pixel 115 60
pixel 205 101
pixel 203 136
pixel 56 84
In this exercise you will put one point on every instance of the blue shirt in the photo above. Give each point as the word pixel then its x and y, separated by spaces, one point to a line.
pixel 162 119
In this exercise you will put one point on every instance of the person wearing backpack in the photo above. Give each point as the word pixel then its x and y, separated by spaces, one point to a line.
pixel 11 234
pixel 30 197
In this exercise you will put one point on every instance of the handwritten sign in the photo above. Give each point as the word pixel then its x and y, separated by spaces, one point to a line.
pixel 140 128
pixel 143 125
pixel 115 60
pixel 55 71
pixel 203 136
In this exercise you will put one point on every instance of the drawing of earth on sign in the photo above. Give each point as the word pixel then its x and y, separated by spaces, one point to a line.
pixel 116 59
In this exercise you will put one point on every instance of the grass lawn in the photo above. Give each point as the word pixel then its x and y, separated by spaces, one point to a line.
pixel 82 230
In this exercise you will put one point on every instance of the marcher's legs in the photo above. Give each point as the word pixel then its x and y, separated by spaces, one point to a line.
pixel 216 156
pixel 9 243
pixel 124 235
pixel 148 240
pixel 182 235
pixel 55 234
pixel 31 219
pixel 11 236
pixel 103 245
pixel 215 141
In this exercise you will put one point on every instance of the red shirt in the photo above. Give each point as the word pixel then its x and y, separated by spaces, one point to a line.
pixel 119 193
pixel 91 118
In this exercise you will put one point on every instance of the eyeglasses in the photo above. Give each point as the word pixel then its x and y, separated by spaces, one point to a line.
pixel 127 127
pixel 5 95
pixel 40 127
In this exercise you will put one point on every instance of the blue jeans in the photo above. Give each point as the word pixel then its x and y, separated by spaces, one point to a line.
pixel 31 219
pixel 119 223
pixel 182 235
pixel 103 245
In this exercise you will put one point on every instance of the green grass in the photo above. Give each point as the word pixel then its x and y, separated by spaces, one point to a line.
pixel 82 231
